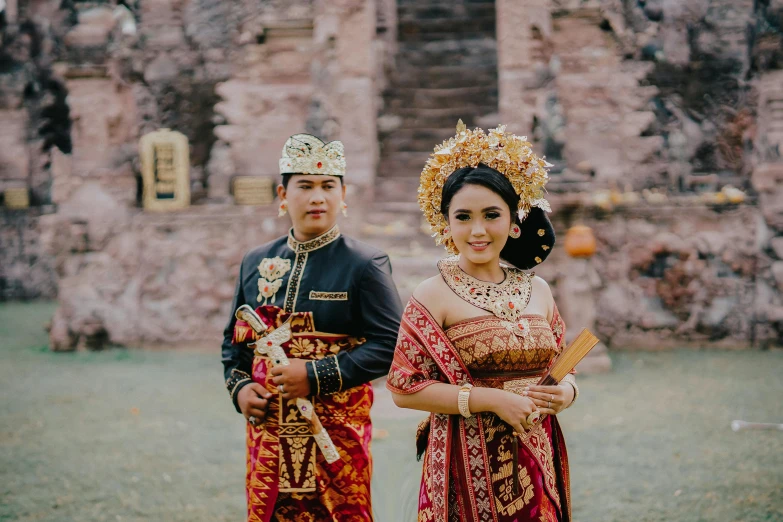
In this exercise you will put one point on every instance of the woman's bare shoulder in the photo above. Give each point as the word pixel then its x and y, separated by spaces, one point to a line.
pixel 541 285
pixel 541 288
pixel 430 294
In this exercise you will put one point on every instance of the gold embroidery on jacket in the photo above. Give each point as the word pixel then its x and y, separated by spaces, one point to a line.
pixel 328 296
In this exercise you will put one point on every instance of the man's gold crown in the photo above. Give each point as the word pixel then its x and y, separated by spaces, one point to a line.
pixel 307 154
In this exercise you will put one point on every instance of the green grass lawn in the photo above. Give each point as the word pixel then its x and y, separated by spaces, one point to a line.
pixel 129 435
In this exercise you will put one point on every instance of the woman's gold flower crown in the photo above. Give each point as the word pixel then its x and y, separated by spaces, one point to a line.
pixel 507 153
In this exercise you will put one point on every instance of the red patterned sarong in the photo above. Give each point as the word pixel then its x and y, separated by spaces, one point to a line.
pixel 468 473
pixel 287 475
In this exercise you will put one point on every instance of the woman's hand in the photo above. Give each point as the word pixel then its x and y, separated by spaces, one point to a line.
pixel 253 401
pixel 551 400
pixel 513 410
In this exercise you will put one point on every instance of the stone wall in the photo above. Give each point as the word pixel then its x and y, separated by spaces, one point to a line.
pixel 26 270
pixel 673 276
pixel 149 280
pixel 663 119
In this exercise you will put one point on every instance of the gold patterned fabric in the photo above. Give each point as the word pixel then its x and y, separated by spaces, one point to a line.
pixel 469 473
pixel 486 344
pixel 497 357
pixel 283 460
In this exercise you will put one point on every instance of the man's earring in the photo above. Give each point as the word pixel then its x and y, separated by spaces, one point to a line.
pixel 344 208
pixel 515 231
pixel 282 209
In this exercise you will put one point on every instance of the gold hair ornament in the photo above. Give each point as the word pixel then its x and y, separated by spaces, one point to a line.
pixel 507 153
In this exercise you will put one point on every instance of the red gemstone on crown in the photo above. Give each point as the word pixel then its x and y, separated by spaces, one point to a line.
pixel 269 343
pixel 511 305
pixel 319 165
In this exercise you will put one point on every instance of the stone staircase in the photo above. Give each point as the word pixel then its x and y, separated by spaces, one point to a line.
pixel 446 70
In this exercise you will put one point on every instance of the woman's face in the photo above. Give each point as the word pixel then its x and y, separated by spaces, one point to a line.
pixel 479 220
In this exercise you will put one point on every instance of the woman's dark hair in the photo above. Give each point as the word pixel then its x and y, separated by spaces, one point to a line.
pixel 532 247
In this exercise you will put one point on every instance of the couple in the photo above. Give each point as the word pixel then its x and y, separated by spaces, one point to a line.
pixel 469 349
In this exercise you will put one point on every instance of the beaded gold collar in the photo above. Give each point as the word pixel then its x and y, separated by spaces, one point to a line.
pixel 506 300
pixel 313 244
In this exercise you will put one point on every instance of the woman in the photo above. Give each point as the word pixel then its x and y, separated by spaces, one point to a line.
pixel 475 340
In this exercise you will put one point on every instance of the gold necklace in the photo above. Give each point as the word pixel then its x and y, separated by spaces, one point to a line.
pixel 506 300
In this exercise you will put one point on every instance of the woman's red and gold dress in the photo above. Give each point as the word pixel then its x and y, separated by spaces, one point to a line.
pixel 468 473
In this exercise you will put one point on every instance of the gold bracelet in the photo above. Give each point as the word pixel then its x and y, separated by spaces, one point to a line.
pixel 572 381
pixel 463 400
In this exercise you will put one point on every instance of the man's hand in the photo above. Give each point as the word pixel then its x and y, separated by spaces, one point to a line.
pixel 253 400
pixel 293 379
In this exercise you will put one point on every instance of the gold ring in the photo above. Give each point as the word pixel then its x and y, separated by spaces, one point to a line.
pixel 532 418
pixel 549 405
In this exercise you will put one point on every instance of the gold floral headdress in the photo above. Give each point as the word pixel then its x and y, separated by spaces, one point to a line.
pixel 507 153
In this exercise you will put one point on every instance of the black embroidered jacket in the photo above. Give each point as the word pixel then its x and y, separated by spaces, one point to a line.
pixel 348 287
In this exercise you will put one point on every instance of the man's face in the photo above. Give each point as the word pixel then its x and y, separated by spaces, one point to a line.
pixel 313 203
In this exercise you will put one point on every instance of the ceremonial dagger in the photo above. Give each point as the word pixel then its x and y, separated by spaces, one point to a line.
pixel 271 346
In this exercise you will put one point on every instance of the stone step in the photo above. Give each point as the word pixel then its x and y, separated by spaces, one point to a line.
pixel 425 138
pixel 438 115
pixel 478 57
pixel 444 76
pixel 407 97
pixel 446 30
pixel 447 3
pixel 444 118
pixel 447 45
pixel 423 11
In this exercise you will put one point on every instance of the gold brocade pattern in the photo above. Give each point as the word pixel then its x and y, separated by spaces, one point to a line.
pixel 288 477
pixel 486 344
pixel 487 347
pixel 302 248
pixel 506 299
pixel 324 239
pixel 328 296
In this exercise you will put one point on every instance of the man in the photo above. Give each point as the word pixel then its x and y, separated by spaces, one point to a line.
pixel 344 310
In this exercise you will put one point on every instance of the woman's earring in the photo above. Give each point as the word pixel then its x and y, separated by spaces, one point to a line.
pixel 446 232
pixel 515 231
pixel 282 209
pixel 344 208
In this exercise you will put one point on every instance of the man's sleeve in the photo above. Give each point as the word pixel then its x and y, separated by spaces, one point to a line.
pixel 379 309
pixel 237 358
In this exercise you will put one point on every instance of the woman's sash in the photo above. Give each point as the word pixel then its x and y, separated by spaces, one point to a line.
pixel 420 332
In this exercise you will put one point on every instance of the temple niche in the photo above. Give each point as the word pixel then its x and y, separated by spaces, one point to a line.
pixel 165 170
pixel 663 121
